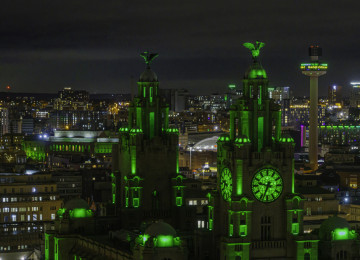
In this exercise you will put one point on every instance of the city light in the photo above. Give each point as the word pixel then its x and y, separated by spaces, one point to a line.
pixel 313 66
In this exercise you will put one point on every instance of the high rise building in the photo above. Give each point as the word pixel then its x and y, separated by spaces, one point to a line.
pixel 335 94
pixel 355 95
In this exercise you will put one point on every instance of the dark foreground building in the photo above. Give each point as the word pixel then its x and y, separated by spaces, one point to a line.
pixel 253 214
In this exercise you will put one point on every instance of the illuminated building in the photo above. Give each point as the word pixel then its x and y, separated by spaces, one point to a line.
pixel 66 144
pixel 335 94
pixel 355 94
pixel 339 134
pixel 27 203
pixel 68 94
pixel 255 211
pixel 314 69
pixel 146 178
pixel 4 121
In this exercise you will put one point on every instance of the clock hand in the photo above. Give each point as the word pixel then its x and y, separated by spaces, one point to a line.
pixel 267 187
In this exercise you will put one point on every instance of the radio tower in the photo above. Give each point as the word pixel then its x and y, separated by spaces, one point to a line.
pixel 314 69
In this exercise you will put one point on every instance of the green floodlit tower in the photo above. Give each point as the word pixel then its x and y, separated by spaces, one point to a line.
pixel 313 69
pixel 145 179
pixel 255 212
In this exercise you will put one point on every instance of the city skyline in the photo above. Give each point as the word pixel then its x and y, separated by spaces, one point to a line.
pixel 86 46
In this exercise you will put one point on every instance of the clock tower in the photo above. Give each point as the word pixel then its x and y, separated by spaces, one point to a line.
pixel 255 212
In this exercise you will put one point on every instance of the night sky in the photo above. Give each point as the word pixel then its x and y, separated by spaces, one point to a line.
pixel 95 45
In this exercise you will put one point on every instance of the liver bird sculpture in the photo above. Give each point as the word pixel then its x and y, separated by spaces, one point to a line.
pixel 254 48
pixel 148 57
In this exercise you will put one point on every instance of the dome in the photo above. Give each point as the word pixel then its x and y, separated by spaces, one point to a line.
pixel 160 228
pixel 76 204
pixel 206 144
pixel 330 225
pixel 255 71
pixel 148 76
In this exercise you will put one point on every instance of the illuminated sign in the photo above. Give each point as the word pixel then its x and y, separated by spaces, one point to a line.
pixel 355 84
pixel 313 66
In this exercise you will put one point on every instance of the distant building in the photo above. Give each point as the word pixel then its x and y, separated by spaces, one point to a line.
pixel 335 94
pixel 4 121
pixel 355 95
pixel 28 202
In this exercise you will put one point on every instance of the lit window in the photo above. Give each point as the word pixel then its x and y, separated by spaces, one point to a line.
pixel 52 216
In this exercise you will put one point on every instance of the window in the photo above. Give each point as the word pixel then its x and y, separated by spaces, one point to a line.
pixel 14 209
pixel 204 202
pixel 13 218
pixel 201 224
pixel 265 228
pixel 5 200
pixel 40 217
pixel 33 189
pixel 6 209
pixel 34 217
pixel 52 216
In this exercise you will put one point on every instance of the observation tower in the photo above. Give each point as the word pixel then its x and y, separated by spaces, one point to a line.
pixel 313 69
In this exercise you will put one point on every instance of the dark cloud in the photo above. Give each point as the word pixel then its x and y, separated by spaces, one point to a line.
pixel 94 45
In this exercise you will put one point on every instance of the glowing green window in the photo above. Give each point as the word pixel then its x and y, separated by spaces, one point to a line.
pixel 295 228
pixel 126 197
pixel 136 202
pixel 243 230
pixel 151 94
pixel 211 218
pixel 113 198
pixel 178 201
pixel 231 230
pixel 211 224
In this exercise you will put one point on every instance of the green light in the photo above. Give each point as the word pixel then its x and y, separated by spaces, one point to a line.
pixel 260 96
pixel 136 202
pixel 211 216
pixel 151 94
pixel 47 245
pixel 295 228
pixel 231 230
pixel 239 177
pixel 152 124
pixel 232 86
pixel 164 241
pixel 243 230
pixel 226 184
pixel 341 234
pixel 133 159
pixel 267 185
pixel 179 201
pixel 80 213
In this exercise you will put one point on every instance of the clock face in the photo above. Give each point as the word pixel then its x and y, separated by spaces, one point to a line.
pixel 226 184
pixel 267 185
